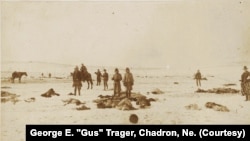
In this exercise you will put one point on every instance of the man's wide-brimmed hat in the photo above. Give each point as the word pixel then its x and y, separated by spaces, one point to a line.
pixel 245 68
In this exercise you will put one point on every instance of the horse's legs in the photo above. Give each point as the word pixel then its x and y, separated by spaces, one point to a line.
pixel 19 80
pixel 91 82
pixel 88 84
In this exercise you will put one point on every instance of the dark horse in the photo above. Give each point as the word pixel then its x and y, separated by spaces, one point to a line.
pixel 18 75
pixel 86 76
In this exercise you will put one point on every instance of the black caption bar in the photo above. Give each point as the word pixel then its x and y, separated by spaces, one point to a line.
pixel 136 132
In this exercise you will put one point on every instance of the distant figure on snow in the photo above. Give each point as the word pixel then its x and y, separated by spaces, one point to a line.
pixel 117 77
pixel 245 83
pixel 105 79
pixel 77 84
pixel 98 77
pixel 128 82
pixel 198 78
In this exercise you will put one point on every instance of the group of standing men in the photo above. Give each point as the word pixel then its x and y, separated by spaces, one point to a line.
pixel 128 80
pixel 99 77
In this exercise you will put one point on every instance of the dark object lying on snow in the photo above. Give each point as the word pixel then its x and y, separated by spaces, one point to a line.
pixel 144 102
pixel 50 93
pixel 80 105
pixel 123 103
pixel 192 107
pixel 157 91
pixel 218 90
pixel 32 99
pixel 229 84
pixel 6 96
pixel 72 101
pixel 216 107
pixel 5 87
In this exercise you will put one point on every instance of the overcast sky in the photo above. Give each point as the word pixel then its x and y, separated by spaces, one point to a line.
pixel 148 34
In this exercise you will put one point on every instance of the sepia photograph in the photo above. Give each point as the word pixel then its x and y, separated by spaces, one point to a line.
pixel 126 62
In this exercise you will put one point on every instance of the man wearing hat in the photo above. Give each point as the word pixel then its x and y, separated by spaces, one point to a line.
pixel 98 77
pixel 128 82
pixel 77 80
pixel 117 77
pixel 197 76
pixel 105 79
pixel 245 83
